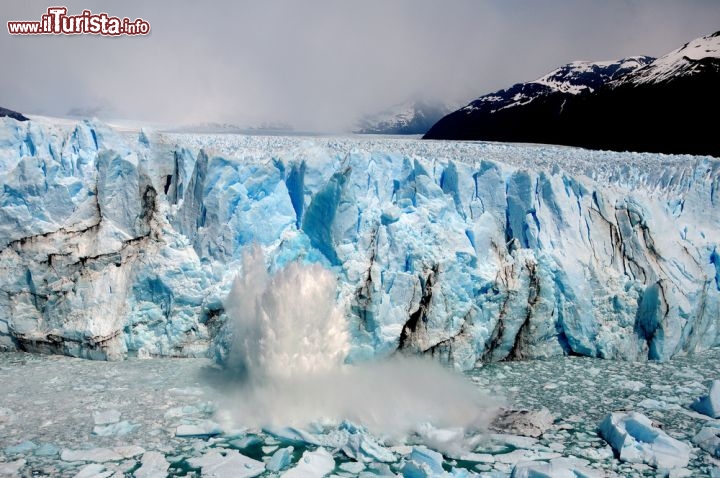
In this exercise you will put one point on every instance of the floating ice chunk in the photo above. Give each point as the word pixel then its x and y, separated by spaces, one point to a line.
pixel 106 417
pixel 353 467
pixel 118 429
pixel 95 455
pixel 633 385
pixel 680 473
pixel 47 449
pixel 313 464
pixel 517 456
pixel 556 468
pixel 635 440
pixel 378 469
pixel 154 465
pixel 280 459
pixel 246 442
pixel 186 392
pixel 478 457
pixel 709 440
pixel 513 440
pixel 422 463
pixel 293 435
pixel 227 464
pixel 528 423
pixel 203 428
pixel 21 448
pixel 652 404
pixel 94 470
pixel 373 450
pixel 709 404
pixel 177 412
pixel 414 469
pixel 361 446
pixel 11 468
pixel 129 451
pixel 596 454
pixel 401 449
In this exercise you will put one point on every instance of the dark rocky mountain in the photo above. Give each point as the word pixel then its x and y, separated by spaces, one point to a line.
pixel 12 114
pixel 667 105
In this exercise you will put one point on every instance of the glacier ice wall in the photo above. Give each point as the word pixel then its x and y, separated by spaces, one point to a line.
pixel 116 242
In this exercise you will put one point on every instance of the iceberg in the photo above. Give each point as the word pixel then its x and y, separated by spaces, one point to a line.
pixel 154 465
pixel 116 243
pixel 280 460
pixel 636 439
pixel 312 464
pixel 423 463
pixel 227 464
pixel 555 468
pixel 709 404
pixel 708 438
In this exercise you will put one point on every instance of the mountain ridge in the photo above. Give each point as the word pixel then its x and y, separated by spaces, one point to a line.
pixel 12 114
pixel 668 96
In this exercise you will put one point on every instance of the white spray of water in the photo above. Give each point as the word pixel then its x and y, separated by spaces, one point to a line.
pixel 290 340
pixel 285 326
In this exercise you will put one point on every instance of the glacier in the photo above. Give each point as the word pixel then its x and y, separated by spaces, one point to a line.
pixel 117 242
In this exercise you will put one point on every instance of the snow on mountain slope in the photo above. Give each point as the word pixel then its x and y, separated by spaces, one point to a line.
pixel 571 79
pixel 688 60
pixel 410 117
pixel 114 243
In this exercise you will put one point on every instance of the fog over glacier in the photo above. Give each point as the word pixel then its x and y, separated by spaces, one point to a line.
pixel 319 65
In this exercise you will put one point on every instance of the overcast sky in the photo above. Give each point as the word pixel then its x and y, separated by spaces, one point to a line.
pixel 319 64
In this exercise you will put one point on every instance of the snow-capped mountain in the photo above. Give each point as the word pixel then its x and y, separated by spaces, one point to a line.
pixel 697 57
pixel 575 78
pixel 12 114
pixel 601 105
pixel 115 242
pixel 410 117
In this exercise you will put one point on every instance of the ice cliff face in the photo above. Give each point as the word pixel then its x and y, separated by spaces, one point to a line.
pixel 114 243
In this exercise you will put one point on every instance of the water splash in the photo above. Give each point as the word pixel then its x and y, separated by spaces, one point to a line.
pixel 289 343
pixel 285 326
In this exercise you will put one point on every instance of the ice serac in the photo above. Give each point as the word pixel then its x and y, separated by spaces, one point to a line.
pixel 90 266
pixel 114 243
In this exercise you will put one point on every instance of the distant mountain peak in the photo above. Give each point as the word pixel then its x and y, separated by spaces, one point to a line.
pixel 689 59
pixel 12 114
pixel 414 116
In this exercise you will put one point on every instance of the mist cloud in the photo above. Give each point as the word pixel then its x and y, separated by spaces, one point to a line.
pixel 319 64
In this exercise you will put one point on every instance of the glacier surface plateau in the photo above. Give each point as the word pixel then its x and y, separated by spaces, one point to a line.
pixel 117 242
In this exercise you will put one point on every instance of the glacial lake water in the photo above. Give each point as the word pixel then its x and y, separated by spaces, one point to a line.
pixel 60 416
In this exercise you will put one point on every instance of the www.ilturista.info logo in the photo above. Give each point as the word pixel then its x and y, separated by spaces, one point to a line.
pixel 57 22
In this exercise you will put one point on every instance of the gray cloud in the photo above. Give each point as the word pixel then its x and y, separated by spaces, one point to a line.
pixel 319 64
